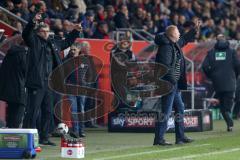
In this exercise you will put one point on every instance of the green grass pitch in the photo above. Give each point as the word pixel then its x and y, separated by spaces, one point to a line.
pixel 101 145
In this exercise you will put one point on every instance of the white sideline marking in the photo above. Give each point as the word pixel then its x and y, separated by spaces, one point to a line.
pixel 205 154
pixel 150 152
pixel 118 149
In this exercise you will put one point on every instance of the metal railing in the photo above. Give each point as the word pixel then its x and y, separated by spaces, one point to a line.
pixel 192 84
pixel 24 22
pixel 137 33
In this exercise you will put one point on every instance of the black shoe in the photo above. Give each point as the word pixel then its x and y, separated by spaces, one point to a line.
pixel 184 140
pixel 56 134
pixel 163 143
pixel 187 140
pixel 47 143
pixel 179 142
pixel 230 129
pixel 82 135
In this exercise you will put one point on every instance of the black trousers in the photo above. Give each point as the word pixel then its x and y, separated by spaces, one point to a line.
pixel 236 110
pixel 57 109
pixel 15 113
pixel 39 107
pixel 226 104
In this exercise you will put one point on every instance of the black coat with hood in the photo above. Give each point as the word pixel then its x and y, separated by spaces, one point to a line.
pixel 12 76
pixel 166 56
pixel 221 66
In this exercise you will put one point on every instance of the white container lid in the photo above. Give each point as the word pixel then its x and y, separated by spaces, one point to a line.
pixel 8 130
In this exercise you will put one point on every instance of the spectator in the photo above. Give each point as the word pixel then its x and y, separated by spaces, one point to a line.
pixel 102 31
pixel 22 8
pixel 57 28
pixel 232 29
pixel 178 10
pixel 220 29
pixel 90 102
pixel 147 5
pixel 32 11
pixel 67 26
pixel 76 78
pixel 149 27
pixel 99 13
pixel 148 16
pixel 121 18
pixel 197 9
pixel 10 5
pixel 18 26
pixel 208 28
pixel 182 21
pixel 110 13
pixel 75 8
pixel 175 19
pixel 133 7
pixel 137 20
pixel 56 25
pixel 162 23
pixel 55 12
pixel 185 9
pixel 88 24
pixel 41 7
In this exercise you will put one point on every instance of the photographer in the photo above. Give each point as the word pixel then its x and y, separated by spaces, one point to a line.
pixel 43 57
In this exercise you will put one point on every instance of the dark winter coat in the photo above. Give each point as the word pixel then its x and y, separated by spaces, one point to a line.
pixel 121 21
pixel 12 76
pixel 37 54
pixel 85 72
pixel 166 56
pixel 221 66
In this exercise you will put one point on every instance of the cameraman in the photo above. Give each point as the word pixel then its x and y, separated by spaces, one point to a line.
pixel 43 57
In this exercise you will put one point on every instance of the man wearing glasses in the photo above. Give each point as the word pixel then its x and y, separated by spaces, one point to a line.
pixel 42 58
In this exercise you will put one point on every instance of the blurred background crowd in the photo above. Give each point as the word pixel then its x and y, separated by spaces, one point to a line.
pixel 100 18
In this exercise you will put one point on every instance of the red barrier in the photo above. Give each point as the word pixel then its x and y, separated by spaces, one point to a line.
pixel 3 108
pixel 101 49
pixel 8 29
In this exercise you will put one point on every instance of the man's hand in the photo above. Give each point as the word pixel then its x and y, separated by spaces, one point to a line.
pixel 198 24
pixel 37 17
pixel 78 27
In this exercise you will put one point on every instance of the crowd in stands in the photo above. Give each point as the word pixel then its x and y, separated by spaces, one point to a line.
pixel 100 18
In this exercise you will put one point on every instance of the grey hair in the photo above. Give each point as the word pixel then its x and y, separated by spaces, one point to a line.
pixel 77 45
pixel 42 25
pixel 85 43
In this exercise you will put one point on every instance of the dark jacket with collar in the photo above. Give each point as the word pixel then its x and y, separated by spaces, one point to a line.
pixel 12 76
pixel 37 56
pixel 166 56
pixel 121 21
pixel 221 66
pixel 85 73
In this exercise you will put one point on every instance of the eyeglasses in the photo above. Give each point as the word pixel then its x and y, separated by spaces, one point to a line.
pixel 44 31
